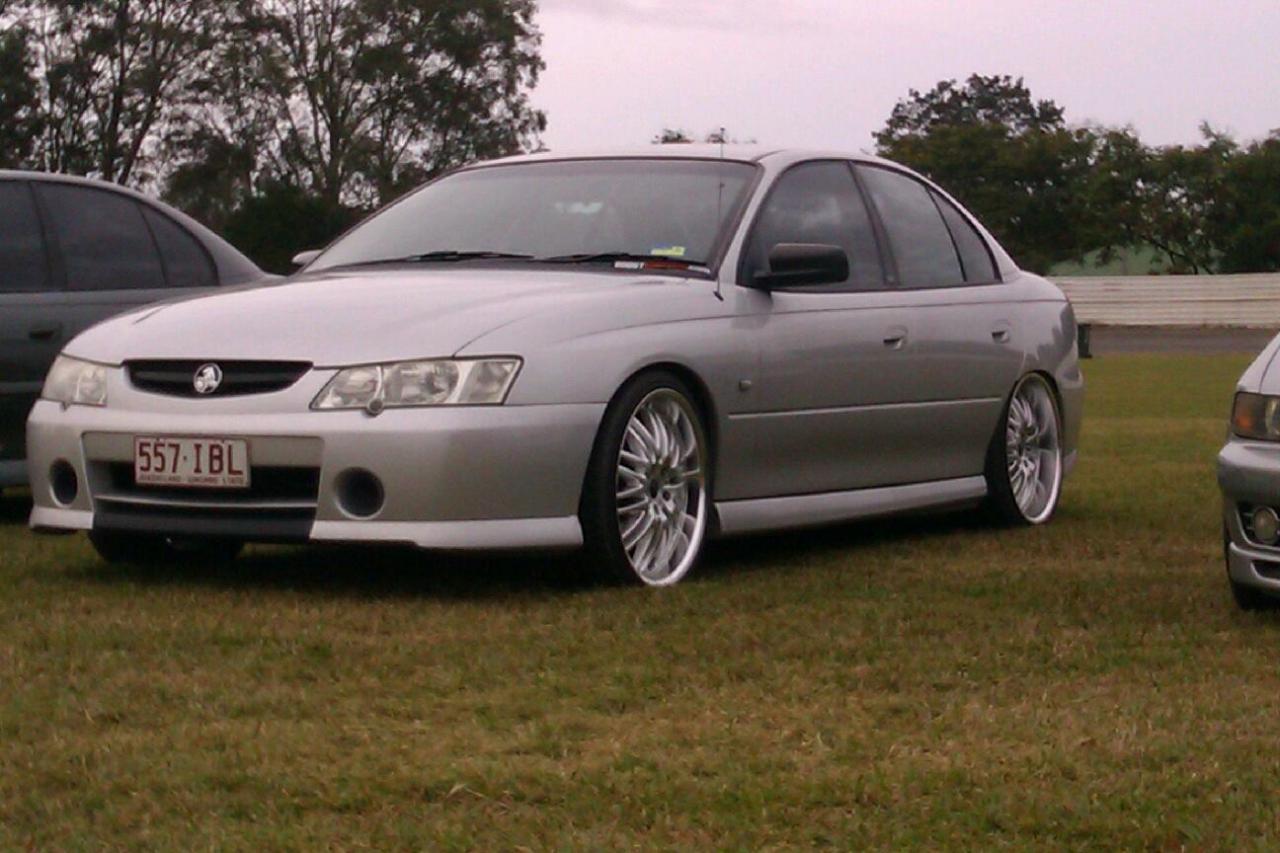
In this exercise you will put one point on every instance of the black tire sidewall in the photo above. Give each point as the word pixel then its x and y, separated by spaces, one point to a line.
pixel 597 510
pixel 1001 502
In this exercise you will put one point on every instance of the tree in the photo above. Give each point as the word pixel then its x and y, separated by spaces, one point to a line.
pixel 357 100
pixel 679 136
pixel 997 101
pixel 1162 198
pixel 113 73
pixel 1009 158
pixel 1244 223
pixel 672 136
pixel 297 221
pixel 19 97
pixel 315 111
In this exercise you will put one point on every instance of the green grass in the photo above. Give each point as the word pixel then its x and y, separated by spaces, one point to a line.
pixel 927 682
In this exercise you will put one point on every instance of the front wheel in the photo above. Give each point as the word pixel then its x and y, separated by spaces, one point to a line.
pixel 1024 461
pixel 150 549
pixel 646 498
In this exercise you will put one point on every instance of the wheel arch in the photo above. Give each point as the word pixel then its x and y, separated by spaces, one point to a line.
pixel 702 400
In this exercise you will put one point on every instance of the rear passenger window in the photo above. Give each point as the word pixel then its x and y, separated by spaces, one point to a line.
pixel 919 238
pixel 104 242
pixel 975 257
pixel 185 261
pixel 819 203
pixel 22 260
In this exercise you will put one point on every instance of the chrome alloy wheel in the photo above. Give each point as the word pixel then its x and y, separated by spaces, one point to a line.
pixel 661 488
pixel 1033 449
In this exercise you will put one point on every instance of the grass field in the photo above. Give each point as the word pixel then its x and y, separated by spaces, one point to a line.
pixel 925 682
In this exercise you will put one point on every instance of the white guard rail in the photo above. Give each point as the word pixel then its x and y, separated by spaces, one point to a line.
pixel 1246 301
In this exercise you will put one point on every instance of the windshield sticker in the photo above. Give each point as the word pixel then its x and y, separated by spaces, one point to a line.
pixel 668 252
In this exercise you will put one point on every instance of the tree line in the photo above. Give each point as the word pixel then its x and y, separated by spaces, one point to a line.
pixel 1052 192
pixel 275 122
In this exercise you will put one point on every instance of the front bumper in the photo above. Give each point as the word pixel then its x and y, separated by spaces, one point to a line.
pixel 453 478
pixel 1249 475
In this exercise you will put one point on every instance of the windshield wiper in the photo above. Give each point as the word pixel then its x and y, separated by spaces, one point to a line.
pixel 614 257
pixel 444 256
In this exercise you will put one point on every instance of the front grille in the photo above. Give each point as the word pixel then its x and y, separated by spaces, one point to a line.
pixel 176 378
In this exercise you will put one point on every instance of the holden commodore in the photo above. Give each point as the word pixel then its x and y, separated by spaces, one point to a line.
pixel 1249 476
pixel 629 352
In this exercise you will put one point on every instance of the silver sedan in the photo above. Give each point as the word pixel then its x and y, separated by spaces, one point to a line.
pixel 1249 476
pixel 630 352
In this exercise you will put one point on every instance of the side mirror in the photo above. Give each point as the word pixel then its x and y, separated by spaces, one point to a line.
pixel 801 264
pixel 303 258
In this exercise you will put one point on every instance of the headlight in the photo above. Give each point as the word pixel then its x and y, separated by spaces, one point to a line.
pixel 471 382
pixel 1256 416
pixel 71 381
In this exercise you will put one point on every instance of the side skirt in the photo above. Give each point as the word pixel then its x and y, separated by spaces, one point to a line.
pixel 751 516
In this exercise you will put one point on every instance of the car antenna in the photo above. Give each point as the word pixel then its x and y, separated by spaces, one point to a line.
pixel 720 209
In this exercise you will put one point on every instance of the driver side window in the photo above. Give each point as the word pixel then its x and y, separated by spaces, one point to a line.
pixel 819 203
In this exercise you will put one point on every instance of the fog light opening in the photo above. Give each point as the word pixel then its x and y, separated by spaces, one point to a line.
pixel 63 482
pixel 359 493
pixel 1266 525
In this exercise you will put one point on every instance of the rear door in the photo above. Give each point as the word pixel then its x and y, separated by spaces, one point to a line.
pixel 114 253
pixel 963 330
pixel 31 330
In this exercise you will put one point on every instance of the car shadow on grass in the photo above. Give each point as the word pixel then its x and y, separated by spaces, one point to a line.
pixel 391 572
pixel 371 572
pixel 15 507
pixel 773 551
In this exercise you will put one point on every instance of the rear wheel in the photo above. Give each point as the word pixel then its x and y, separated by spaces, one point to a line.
pixel 1024 461
pixel 150 549
pixel 646 499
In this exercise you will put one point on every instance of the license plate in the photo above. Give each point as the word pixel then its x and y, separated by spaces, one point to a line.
pixel 205 463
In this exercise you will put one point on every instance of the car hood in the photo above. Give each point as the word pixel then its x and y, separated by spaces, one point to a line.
pixel 356 317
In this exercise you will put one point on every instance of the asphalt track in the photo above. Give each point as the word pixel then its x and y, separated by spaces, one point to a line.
pixel 1114 340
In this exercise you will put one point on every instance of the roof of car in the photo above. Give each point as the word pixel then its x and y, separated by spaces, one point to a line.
pixel 679 151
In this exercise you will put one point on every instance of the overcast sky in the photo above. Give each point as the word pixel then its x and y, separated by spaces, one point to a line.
pixel 826 73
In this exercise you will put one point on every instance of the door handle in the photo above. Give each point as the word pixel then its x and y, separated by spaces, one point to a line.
pixel 895 338
pixel 44 333
pixel 1001 334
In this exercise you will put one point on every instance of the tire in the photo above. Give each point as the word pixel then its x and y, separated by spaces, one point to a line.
pixel 1247 598
pixel 646 500
pixel 1024 459
pixel 145 549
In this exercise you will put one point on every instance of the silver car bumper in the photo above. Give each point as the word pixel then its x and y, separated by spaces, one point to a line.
pixel 453 478
pixel 1249 474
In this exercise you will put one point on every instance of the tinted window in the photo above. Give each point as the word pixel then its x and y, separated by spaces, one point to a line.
pixel 185 262
pixel 22 262
pixel 104 242
pixel 919 238
pixel 974 256
pixel 819 203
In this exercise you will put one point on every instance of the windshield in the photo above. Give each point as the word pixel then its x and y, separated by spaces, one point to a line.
pixel 665 209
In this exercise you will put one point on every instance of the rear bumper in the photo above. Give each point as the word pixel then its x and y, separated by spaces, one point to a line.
pixel 460 478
